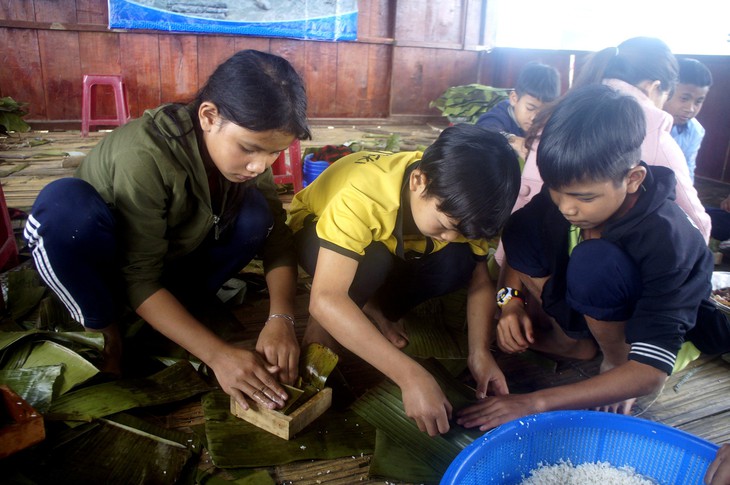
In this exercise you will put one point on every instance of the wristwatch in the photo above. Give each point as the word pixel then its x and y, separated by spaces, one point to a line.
pixel 506 294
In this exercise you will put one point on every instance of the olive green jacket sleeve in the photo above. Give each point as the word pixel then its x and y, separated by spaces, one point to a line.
pixel 279 247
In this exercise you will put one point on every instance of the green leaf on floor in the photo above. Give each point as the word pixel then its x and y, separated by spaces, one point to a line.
pixel 382 406
pixel 76 369
pixel 35 385
pixel 428 334
pixel 396 463
pixel 16 347
pixel 174 383
pixel 25 291
pixel 235 443
pixel 120 450
pixel 238 476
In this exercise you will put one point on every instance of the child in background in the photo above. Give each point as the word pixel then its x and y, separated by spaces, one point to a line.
pixel 695 80
pixel 169 206
pixel 380 233
pixel 537 84
pixel 607 257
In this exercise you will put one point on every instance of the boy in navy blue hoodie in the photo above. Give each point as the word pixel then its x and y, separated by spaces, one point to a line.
pixel 536 85
pixel 605 259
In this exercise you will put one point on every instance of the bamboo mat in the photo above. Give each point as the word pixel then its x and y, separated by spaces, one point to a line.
pixel 29 161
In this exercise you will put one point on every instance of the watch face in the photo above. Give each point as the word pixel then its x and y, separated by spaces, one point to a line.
pixel 505 295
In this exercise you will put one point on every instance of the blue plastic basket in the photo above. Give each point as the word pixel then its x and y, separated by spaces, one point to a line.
pixel 507 454
pixel 312 168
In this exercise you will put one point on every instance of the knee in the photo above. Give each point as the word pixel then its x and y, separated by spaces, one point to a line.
pixel 602 280
pixel 71 210
pixel 255 217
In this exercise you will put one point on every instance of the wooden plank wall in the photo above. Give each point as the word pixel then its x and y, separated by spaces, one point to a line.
pixel 407 53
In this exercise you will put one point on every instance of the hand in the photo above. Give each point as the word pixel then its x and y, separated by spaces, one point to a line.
pixel 514 329
pixel 487 374
pixel 621 407
pixel 241 371
pixel 725 204
pixel 718 472
pixel 493 411
pixel 277 343
pixel 518 145
pixel 425 402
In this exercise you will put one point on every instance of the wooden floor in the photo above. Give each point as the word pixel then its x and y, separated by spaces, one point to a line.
pixel 696 400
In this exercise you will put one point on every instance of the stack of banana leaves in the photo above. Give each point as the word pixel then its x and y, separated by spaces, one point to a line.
pixel 106 429
pixel 465 104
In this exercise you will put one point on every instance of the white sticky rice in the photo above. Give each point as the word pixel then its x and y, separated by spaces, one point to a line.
pixel 599 473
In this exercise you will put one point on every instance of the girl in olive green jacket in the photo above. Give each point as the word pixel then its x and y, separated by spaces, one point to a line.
pixel 173 204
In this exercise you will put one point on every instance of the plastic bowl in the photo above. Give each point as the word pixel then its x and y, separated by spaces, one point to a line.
pixel 507 454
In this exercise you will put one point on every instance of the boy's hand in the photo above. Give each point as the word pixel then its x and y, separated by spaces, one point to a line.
pixel 518 145
pixel 487 374
pixel 241 371
pixel 493 411
pixel 277 343
pixel 621 407
pixel 425 402
pixel 514 329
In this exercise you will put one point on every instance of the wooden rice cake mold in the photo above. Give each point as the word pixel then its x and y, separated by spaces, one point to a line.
pixel 283 425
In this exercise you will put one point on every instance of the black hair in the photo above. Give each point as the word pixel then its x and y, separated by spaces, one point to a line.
pixel 594 134
pixel 260 92
pixel 633 61
pixel 692 71
pixel 539 81
pixel 475 175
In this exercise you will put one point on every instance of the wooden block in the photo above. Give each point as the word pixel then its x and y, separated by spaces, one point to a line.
pixel 282 425
pixel 25 424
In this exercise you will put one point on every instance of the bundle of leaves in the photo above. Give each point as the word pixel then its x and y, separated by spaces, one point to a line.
pixel 11 116
pixel 465 104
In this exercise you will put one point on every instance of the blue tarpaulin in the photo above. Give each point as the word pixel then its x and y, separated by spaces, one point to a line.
pixel 301 19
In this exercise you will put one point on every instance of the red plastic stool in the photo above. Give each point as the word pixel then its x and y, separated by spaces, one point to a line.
pixel 88 103
pixel 288 169
pixel 8 246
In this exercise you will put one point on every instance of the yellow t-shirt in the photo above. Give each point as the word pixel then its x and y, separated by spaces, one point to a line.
pixel 357 200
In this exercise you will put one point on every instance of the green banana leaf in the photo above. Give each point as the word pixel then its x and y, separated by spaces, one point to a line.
pixel 34 385
pixel 428 336
pixel 396 463
pixel 294 394
pixel 77 370
pixel 52 315
pixel 315 365
pixel 120 450
pixel 235 443
pixel 467 103
pixel 174 383
pixel 382 406
pixel 93 340
pixel 12 122
pixel 16 347
pixel 243 476
pixel 25 291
